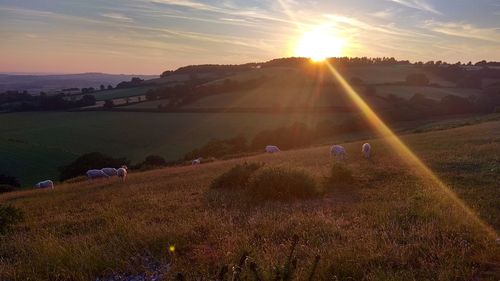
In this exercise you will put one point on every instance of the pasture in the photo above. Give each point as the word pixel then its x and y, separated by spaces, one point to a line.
pixel 389 224
pixel 34 145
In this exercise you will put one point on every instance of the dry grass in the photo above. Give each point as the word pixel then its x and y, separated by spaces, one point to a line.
pixel 389 226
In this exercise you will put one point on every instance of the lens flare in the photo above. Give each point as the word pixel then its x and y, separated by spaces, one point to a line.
pixel 403 150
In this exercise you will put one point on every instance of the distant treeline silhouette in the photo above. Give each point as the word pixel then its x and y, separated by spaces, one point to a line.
pixel 23 101
pixel 301 62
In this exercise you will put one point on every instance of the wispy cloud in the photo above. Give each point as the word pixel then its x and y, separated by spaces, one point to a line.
pixel 421 5
pixel 464 30
pixel 117 16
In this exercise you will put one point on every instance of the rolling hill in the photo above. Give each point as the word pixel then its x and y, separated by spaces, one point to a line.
pixel 389 224
pixel 56 82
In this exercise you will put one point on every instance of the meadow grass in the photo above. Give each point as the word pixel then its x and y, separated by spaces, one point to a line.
pixel 34 145
pixel 391 225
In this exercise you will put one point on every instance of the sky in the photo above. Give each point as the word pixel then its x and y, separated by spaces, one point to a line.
pixel 151 36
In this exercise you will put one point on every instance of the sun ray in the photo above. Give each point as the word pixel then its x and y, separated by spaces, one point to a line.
pixel 407 155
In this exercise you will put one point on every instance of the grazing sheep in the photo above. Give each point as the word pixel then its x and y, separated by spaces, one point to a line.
pixel 45 184
pixel 272 149
pixel 366 149
pixel 338 151
pixel 122 172
pixel 110 171
pixel 96 174
pixel 196 161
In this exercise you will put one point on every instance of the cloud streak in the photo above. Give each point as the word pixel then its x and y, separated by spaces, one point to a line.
pixel 117 16
pixel 464 30
pixel 417 4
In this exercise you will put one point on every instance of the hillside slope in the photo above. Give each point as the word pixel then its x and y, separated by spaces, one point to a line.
pixel 389 225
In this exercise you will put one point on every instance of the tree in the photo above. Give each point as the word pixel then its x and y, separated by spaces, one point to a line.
pixel 108 104
pixel 93 160
pixel 9 180
pixel 110 87
pixel 154 160
pixel 102 87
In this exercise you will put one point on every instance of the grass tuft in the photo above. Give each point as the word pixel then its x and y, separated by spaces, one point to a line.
pixel 9 216
pixel 282 184
pixel 237 177
pixel 340 176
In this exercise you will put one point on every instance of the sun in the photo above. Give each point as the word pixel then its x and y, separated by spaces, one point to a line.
pixel 319 44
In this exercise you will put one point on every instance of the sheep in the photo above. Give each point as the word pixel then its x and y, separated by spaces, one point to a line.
pixel 338 151
pixel 366 150
pixel 196 161
pixel 95 174
pixel 45 184
pixel 272 149
pixel 110 171
pixel 122 172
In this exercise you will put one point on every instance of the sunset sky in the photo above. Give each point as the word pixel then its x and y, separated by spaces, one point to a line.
pixel 150 36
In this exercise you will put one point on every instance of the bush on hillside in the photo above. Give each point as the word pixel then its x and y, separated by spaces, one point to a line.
pixel 9 180
pixel 153 161
pixel 9 216
pixel 93 160
pixel 237 177
pixel 282 184
pixel 340 176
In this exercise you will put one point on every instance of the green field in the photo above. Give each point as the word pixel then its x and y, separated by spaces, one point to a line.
pixel 33 145
pixel 120 93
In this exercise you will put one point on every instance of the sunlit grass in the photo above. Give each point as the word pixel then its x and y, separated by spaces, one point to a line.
pixel 389 225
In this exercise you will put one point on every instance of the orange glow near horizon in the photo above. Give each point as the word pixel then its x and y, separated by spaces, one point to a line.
pixel 407 155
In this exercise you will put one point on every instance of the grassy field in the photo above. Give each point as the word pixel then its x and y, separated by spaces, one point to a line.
pixel 407 92
pixel 33 145
pixel 390 224
pixel 120 93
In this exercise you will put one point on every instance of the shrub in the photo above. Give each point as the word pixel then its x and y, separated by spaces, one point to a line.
pixel 9 216
pixel 340 176
pixel 9 180
pixel 237 177
pixel 154 160
pixel 282 184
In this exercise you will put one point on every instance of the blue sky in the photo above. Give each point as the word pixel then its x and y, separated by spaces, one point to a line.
pixel 149 36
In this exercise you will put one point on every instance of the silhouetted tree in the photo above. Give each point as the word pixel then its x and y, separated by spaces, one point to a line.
pixel 9 180
pixel 108 104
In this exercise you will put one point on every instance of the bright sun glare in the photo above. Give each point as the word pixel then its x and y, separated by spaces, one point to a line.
pixel 319 44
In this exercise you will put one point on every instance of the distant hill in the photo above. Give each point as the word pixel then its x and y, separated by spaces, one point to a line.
pixel 47 83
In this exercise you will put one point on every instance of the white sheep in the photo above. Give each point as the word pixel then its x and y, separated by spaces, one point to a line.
pixel 45 184
pixel 96 174
pixel 272 149
pixel 122 172
pixel 338 151
pixel 366 149
pixel 196 161
pixel 111 172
